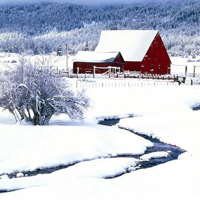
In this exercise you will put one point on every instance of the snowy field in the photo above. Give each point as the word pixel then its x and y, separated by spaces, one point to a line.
pixel 189 67
pixel 93 151
pixel 60 63
pixel 160 111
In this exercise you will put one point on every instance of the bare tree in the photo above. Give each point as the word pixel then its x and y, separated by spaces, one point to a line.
pixel 35 94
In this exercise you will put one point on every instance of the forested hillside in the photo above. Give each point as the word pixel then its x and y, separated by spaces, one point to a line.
pixel 47 27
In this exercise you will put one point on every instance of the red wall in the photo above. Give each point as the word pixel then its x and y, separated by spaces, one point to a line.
pixel 87 67
pixel 156 60
pixel 132 66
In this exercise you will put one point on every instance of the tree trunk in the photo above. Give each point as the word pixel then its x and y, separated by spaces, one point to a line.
pixel 29 115
pixel 36 119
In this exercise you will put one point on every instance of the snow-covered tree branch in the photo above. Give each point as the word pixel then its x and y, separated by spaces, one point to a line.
pixel 35 95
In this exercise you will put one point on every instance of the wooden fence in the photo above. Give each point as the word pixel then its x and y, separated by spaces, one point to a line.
pixel 115 84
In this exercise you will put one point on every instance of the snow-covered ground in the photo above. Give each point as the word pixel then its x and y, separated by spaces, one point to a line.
pixel 185 66
pixel 149 156
pixel 178 67
pixel 161 111
pixel 59 63
pixel 32 147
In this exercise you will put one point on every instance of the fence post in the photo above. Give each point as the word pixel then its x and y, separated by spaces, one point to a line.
pixel 93 71
pixel 77 71
pixel 109 72
pixel 185 70
pixel 194 72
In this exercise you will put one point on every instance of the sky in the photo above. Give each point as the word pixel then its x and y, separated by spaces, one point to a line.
pixel 77 1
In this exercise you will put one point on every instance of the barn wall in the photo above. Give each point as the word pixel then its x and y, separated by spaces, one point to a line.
pixel 119 59
pixel 156 60
pixel 132 66
pixel 88 67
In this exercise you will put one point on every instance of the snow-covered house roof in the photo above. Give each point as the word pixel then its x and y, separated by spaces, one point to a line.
pixel 133 44
pixel 95 57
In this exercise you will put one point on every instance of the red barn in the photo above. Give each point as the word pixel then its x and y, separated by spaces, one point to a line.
pixel 85 61
pixel 143 50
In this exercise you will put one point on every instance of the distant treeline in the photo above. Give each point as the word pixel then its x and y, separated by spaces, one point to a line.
pixel 47 27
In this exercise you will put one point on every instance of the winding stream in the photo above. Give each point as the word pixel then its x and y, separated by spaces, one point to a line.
pixel 158 146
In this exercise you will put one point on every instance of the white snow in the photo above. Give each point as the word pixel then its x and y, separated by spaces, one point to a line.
pixel 37 147
pixel 122 101
pixel 132 44
pixel 19 175
pixel 185 66
pixel 10 60
pixel 4 177
pixel 181 129
pixel 159 154
pixel 92 56
pixel 99 168
pixel 160 111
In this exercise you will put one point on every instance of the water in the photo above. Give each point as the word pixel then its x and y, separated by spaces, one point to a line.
pixel 196 108
pixel 158 146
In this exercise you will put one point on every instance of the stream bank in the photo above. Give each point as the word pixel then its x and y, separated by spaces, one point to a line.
pixel 172 153
pixel 158 146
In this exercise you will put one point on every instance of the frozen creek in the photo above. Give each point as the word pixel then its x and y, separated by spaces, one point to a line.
pixel 151 157
pixel 158 146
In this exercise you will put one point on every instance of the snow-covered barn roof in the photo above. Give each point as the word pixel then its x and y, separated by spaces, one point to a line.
pixel 95 57
pixel 133 44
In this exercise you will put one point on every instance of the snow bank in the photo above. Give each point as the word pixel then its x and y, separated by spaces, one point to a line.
pixel 24 148
pixel 149 156
pixel 120 102
pixel 172 180
pixel 162 111
pixel 181 129
pixel 100 168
